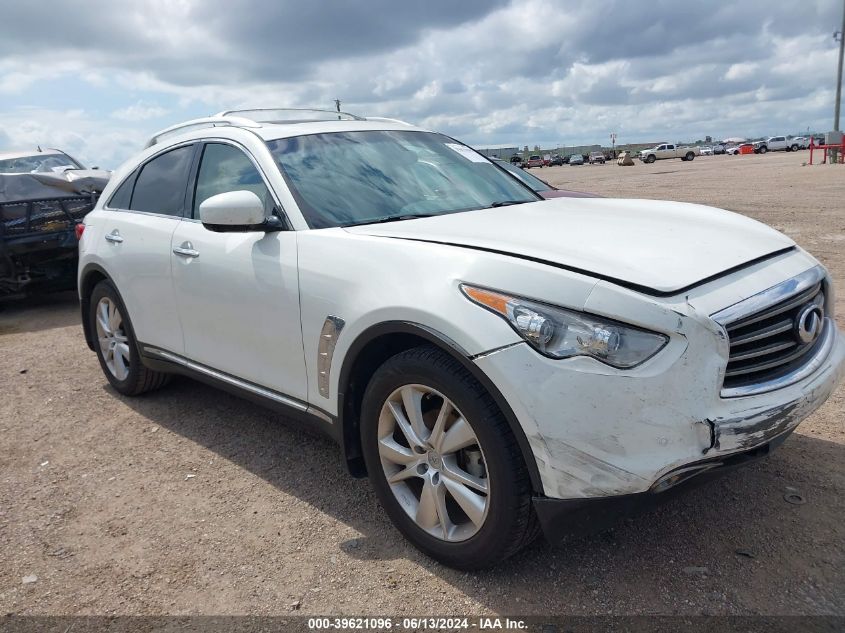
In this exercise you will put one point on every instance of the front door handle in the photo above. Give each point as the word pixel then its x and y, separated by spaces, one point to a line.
pixel 186 249
pixel 114 236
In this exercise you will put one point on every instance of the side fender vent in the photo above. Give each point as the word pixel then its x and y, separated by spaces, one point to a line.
pixel 325 350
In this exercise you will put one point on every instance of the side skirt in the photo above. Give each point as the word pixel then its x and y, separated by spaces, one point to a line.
pixel 305 415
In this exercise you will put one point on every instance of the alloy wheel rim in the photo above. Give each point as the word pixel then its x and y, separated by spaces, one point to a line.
pixel 433 462
pixel 114 345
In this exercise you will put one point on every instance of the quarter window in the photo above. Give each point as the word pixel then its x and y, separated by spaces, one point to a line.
pixel 160 187
pixel 120 199
pixel 225 168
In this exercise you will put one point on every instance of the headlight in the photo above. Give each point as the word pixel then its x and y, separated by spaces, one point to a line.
pixel 560 333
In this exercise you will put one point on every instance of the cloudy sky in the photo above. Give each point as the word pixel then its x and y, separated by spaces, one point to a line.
pixel 96 78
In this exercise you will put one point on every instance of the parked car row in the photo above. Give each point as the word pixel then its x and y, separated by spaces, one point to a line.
pixel 535 160
pixel 774 144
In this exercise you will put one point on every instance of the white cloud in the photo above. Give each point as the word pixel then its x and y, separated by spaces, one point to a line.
pixel 742 70
pixel 534 71
pixel 139 112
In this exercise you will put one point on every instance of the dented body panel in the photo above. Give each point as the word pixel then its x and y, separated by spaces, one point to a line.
pixel 601 431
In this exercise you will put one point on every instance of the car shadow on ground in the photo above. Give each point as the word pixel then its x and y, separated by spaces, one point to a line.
pixel 39 312
pixel 702 547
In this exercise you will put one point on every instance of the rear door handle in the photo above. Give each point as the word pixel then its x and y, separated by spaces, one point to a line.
pixel 114 236
pixel 186 249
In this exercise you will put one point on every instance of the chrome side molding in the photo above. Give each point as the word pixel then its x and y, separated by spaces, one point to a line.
pixel 237 382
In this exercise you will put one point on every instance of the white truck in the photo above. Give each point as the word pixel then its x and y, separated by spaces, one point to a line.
pixel 778 144
pixel 668 150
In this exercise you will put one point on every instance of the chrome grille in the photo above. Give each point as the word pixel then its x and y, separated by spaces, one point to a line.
pixel 766 345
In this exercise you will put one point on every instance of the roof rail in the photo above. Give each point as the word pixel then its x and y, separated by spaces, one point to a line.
pixel 384 119
pixel 290 115
pixel 196 124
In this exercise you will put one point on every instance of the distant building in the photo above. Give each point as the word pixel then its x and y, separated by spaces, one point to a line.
pixel 499 152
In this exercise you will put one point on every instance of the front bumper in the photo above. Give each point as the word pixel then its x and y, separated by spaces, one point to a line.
pixel 564 518
pixel 596 432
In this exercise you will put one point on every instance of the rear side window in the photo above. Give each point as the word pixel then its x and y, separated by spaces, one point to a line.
pixel 120 199
pixel 225 168
pixel 160 187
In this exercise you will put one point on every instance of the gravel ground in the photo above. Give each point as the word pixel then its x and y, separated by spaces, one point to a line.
pixel 190 501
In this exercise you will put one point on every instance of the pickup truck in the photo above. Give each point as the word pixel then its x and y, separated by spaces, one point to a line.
pixel 777 144
pixel 668 150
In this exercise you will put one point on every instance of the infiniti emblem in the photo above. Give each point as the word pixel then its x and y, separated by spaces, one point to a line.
pixel 808 323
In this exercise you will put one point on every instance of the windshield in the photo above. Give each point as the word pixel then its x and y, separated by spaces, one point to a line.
pixel 348 178
pixel 532 181
pixel 38 163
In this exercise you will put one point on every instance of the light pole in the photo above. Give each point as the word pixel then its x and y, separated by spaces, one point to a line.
pixel 840 36
pixel 613 143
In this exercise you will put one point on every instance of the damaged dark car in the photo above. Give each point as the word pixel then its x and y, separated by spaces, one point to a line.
pixel 44 195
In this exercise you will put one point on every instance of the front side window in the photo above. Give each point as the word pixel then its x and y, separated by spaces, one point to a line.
pixel 225 168
pixel 348 178
pixel 161 185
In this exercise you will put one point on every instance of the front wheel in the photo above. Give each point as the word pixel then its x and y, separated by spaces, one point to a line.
pixel 443 461
pixel 763 149
pixel 794 148
pixel 116 346
pixel 650 159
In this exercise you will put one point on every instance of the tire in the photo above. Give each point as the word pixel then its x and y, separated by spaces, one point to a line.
pixel 122 364
pixel 508 523
pixel 793 148
pixel 650 158
pixel 689 157
pixel 763 149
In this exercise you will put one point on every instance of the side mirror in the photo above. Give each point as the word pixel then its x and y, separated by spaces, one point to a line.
pixel 236 211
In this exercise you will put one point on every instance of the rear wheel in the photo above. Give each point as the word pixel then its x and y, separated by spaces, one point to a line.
pixel 444 462
pixel 116 346
pixel 689 156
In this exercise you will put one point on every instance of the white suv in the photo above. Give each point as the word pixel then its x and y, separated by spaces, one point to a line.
pixel 494 362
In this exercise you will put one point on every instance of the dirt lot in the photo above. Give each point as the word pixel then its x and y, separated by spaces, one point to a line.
pixel 192 501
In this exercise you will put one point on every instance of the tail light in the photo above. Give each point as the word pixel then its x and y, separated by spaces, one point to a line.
pixel 79 229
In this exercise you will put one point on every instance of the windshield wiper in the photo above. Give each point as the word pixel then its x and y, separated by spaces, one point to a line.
pixel 507 203
pixel 394 218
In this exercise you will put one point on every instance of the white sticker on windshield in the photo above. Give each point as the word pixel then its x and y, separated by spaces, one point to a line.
pixel 466 152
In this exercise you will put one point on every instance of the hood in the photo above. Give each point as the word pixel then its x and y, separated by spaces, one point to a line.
pixel 548 194
pixel 652 245
pixel 43 185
